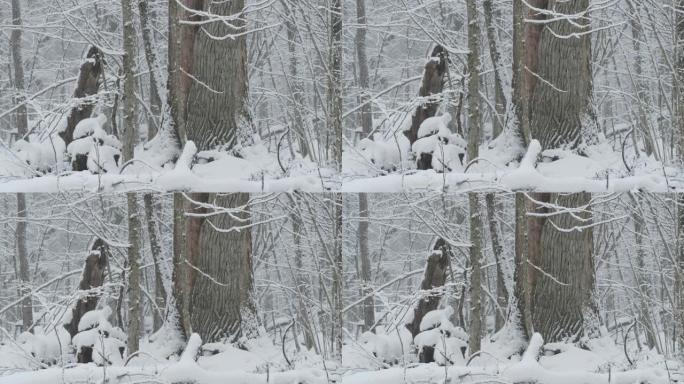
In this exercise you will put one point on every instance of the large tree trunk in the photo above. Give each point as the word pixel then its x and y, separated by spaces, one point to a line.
pixel 129 68
pixel 22 130
pixel 23 263
pixel 152 66
pixel 679 121
pixel 334 120
pixel 526 39
pixel 678 89
pixel 18 67
pixel 499 97
pixel 362 63
pixel 474 132
pixel 337 288
pixel 679 270
pixel 364 256
pixel 181 62
pixel 561 109
pixel 156 251
pixel 93 276
pixel 217 96
pixel 521 293
pixel 497 250
pixel 476 308
pixel 213 277
pixel 180 289
pixel 519 99
pixel 130 136
pixel 561 270
pixel 134 291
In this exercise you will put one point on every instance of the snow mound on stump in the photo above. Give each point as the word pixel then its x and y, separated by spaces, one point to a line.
pixel 103 151
pixel 97 337
pixel 437 331
pixel 389 154
pixel 448 149
pixel 391 349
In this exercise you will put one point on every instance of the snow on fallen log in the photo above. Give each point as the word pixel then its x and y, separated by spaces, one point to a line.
pixel 528 370
pixel 192 349
pixel 188 371
pixel 181 178
pixel 526 176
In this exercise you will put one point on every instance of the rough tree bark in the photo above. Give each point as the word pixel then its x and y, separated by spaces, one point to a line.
pixel 497 250
pixel 474 132
pixel 433 84
pixel 134 292
pixel 93 276
pixel 89 79
pixel 130 136
pixel 679 97
pixel 213 279
pixel 474 112
pixel 155 250
pixel 129 69
pixel 434 278
pixel 436 269
pixel 560 269
pixel 217 96
pixel 337 280
pixel 561 111
pixel 23 263
pixel 520 99
pixel 364 256
pixel 334 118
pixel 475 330
pixel 22 130
pixel 153 66
pixel 679 275
pixel 362 63
pixel 499 97
pixel 18 67
pixel 526 39
pixel 678 89
pixel 521 293
pixel 181 59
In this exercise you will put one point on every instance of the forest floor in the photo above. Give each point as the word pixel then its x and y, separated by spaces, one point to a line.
pixel 599 169
pixel 603 361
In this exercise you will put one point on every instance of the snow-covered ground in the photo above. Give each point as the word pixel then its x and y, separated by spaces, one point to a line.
pixel 602 361
pixel 602 170
pixel 383 164
pixel 378 165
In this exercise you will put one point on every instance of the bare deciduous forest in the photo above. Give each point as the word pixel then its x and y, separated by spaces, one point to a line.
pixel 332 95
pixel 342 191
pixel 354 288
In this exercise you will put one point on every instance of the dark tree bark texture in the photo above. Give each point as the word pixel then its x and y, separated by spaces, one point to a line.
pixel 93 277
